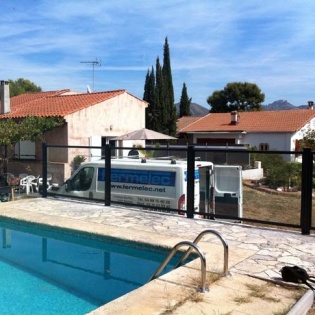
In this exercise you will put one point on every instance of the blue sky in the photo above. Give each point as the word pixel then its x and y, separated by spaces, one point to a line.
pixel 212 43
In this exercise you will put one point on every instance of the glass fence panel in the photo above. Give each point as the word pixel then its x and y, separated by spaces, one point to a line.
pixel 274 194
pixel 269 188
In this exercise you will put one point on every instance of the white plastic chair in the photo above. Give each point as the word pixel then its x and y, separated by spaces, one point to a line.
pixel 49 178
pixel 26 184
pixel 22 184
pixel 30 180
pixel 35 184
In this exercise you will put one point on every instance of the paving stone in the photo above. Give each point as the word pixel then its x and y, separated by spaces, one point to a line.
pixel 269 249
pixel 291 260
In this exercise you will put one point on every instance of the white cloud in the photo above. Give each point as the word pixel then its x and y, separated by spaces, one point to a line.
pixel 212 43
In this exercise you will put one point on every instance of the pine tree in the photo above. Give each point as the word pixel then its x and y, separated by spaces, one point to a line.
pixel 185 101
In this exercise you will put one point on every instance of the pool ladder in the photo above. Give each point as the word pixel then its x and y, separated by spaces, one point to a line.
pixel 193 246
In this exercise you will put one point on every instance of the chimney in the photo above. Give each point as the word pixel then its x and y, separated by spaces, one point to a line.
pixel 234 117
pixel 310 104
pixel 5 97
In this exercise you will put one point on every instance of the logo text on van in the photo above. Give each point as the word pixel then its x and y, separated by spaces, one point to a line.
pixel 144 177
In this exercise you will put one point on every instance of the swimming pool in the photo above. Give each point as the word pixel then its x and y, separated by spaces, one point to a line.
pixel 59 271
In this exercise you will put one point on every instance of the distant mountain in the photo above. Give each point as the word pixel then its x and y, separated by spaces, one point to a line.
pixel 198 110
pixel 279 105
pixel 302 107
pixel 282 105
pixel 195 109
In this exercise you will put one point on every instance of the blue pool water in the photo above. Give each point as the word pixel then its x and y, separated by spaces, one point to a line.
pixel 46 271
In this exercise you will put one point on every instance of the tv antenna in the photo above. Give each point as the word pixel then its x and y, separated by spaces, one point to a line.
pixel 96 62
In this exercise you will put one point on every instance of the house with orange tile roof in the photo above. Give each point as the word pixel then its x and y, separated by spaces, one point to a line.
pixel 265 130
pixel 185 121
pixel 90 119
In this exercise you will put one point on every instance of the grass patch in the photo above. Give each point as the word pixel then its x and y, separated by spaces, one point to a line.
pixel 273 207
pixel 191 295
pixel 195 280
pixel 242 299
pixel 261 292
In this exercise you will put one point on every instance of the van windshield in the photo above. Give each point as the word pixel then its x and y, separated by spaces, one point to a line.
pixel 82 180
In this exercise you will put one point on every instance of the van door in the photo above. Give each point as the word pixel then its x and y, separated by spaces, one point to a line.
pixel 228 190
pixel 206 190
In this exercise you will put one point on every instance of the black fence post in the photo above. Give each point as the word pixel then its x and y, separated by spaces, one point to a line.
pixel 44 170
pixel 190 182
pixel 306 191
pixel 107 174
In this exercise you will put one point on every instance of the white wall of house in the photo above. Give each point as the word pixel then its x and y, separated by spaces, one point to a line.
pixel 276 141
pixel 218 135
pixel 111 118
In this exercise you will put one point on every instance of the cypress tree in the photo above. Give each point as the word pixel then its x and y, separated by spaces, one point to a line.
pixel 167 72
pixel 185 101
pixel 159 93
pixel 146 92
pixel 151 97
pixel 169 91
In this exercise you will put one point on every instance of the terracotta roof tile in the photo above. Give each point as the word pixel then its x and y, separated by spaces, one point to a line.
pixel 186 121
pixel 262 121
pixel 27 97
pixel 54 103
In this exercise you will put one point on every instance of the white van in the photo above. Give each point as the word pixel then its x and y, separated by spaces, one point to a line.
pixel 160 184
pixel 154 183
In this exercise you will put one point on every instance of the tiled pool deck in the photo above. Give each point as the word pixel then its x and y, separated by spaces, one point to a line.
pixel 255 251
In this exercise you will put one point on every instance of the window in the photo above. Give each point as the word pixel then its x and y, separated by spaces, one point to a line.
pixel 106 140
pixel 83 180
pixel 264 147
pixel 96 141
pixel 24 150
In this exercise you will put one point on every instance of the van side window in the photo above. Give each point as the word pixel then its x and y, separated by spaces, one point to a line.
pixel 83 180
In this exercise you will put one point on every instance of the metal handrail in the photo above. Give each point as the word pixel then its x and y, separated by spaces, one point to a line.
pixel 171 254
pixel 225 246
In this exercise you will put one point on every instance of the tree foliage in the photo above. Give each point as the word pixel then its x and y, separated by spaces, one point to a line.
pixel 308 140
pixel 30 128
pixel 236 96
pixel 159 93
pixel 162 114
pixel 22 86
pixel 169 92
pixel 278 172
pixel 151 97
pixel 184 104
